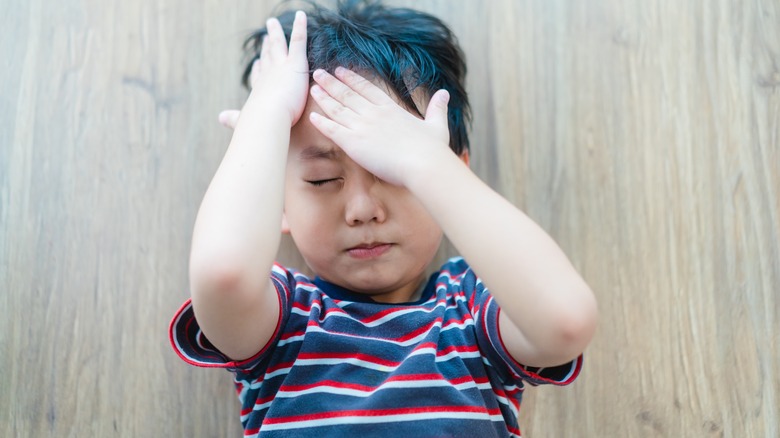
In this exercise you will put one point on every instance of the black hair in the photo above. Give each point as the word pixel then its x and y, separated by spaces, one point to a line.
pixel 406 49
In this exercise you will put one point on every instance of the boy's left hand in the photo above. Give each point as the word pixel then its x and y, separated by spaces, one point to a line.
pixel 374 130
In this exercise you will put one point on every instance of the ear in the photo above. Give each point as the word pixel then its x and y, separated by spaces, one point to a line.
pixel 465 157
pixel 285 225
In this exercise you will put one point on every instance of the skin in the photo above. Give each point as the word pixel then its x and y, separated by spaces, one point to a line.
pixel 352 228
pixel 366 189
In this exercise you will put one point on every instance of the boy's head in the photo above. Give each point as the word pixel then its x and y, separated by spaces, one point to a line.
pixel 407 50
pixel 352 228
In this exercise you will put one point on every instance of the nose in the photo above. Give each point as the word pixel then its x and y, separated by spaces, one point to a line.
pixel 364 203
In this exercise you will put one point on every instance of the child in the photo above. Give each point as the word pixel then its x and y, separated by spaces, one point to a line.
pixel 347 143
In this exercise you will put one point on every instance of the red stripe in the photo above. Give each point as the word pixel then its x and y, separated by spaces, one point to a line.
pixel 349 355
pixel 408 336
pixel 381 412
pixel 287 336
pixel 278 367
pixel 458 321
pixel 398 378
pixel 418 332
pixel 459 349
pixel 331 383
pixel 300 306
pixel 425 345
pixel 260 401
pixel 380 315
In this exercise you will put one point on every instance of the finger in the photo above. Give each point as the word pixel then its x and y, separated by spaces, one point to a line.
pixel 328 128
pixel 298 36
pixel 264 47
pixel 229 118
pixel 437 108
pixel 277 42
pixel 362 86
pixel 255 72
pixel 339 91
pixel 331 107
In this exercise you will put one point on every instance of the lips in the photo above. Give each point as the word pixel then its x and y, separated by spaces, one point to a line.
pixel 369 250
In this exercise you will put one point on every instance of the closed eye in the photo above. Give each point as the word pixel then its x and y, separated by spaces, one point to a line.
pixel 321 182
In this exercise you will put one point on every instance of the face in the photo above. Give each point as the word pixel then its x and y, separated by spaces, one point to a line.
pixel 351 228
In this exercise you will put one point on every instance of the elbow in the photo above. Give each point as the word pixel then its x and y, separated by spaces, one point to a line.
pixel 577 323
pixel 215 275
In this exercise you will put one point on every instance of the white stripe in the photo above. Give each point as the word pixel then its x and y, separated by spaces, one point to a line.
pixel 376 366
pixel 305 312
pixel 455 353
pixel 262 406
pixel 290 340
pixel 372 365
pixel 571 371
pixel 504 401
pixel 406 343
pixel 383 419
pixel 389 317
pixel 388 385
pixel 459 325
pixel 175 334
pixel 393 315
pixel 278 372
pixel 342 360
pixel 421 351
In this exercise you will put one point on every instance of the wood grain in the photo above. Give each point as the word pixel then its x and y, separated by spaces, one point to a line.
pixel 644 136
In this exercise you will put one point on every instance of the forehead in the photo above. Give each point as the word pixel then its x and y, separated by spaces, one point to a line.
pixel 307 143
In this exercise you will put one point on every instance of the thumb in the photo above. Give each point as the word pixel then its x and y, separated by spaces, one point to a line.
pixel 437 107
pixel 229 118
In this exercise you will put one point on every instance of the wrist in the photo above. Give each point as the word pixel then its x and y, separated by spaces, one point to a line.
pixel 261 105
pixel 437 173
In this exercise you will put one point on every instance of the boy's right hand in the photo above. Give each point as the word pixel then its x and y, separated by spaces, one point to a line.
pixel 280 75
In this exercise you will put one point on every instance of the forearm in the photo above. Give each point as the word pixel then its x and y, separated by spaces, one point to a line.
pixel 237 230
pixel 551 309
pixel 526 271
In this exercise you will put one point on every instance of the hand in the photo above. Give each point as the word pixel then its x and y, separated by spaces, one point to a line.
pixel 374 130
pixel 229 118
pixel 281 75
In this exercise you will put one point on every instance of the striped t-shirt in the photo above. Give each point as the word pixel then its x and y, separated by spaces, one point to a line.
pixel 340 364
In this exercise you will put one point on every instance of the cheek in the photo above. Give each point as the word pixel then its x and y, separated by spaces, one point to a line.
pixel 422 228
pixel 311 218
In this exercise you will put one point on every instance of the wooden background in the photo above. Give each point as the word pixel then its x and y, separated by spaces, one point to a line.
pixel 644 135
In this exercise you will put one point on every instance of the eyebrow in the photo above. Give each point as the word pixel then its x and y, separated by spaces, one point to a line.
pixel 318 152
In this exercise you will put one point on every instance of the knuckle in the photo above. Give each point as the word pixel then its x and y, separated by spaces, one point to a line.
pixel 348 94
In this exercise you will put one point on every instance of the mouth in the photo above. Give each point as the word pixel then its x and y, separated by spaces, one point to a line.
pixel 369 250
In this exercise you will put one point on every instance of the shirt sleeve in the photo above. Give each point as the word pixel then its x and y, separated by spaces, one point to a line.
pixel 486 310
pixel 192 346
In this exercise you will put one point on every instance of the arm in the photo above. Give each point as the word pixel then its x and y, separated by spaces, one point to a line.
pixel 237 230
pixel 548 312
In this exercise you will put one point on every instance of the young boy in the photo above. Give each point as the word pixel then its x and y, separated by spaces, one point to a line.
pixel 346 142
